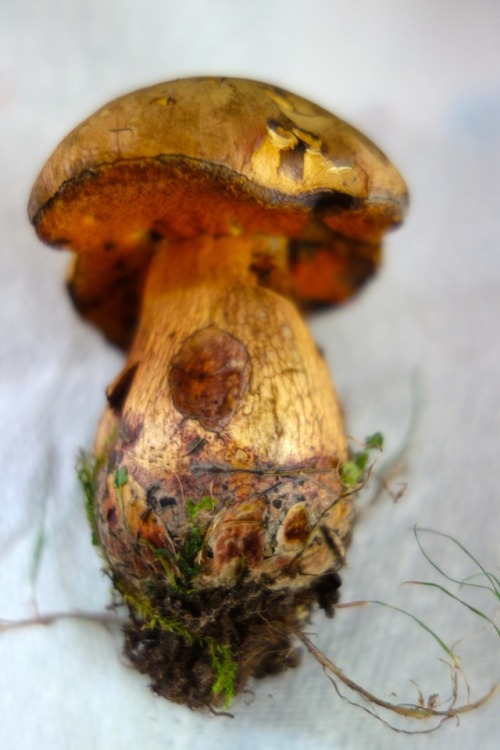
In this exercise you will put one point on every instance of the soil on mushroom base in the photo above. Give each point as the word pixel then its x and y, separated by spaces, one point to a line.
pixel 201 647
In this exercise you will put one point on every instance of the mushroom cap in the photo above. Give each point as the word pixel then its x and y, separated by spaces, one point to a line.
pixel 219 156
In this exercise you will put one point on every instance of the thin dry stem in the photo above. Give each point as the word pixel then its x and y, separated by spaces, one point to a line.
pixel 102 618
pixel 410 711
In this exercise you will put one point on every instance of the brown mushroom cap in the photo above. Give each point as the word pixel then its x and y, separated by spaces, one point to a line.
pixel 216 156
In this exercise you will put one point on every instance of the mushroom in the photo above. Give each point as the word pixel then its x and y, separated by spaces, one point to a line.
pixel 205 216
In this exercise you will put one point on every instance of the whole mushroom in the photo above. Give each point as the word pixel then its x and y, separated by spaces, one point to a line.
pixel 204 215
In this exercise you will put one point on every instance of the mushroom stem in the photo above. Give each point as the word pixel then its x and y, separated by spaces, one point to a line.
pixel 224 396
pixel 218 503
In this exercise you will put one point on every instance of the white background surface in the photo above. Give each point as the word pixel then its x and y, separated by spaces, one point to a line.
pixel 422 78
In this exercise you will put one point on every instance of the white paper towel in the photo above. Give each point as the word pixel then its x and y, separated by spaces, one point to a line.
pixel 422 79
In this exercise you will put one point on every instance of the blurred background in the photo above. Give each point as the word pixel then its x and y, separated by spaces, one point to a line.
pixel 415 356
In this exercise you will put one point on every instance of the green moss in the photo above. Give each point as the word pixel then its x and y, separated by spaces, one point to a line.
pixel 355 471
pixel 153 619
pixel 195 538
pixel 375 441
pixel 168 563
pixel 194 509
pixel 224 667
pixel 87 468
pixel 350 474
pixel 185 560
pixel 121 477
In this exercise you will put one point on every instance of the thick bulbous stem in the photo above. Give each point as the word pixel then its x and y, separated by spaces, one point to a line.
pixel 220 446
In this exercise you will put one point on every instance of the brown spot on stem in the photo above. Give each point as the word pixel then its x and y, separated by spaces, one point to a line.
pixel 209 377
pixel 296 525
pixel 243 544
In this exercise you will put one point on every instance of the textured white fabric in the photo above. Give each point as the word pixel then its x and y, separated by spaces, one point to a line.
pixel 422 78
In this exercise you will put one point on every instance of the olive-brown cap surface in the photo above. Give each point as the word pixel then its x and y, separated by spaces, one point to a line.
pixel 216 156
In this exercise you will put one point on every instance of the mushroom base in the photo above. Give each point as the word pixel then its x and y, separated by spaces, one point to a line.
pixel 202 647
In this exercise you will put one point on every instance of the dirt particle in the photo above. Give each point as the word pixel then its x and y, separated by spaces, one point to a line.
pixel 297 525
pixel 167 502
